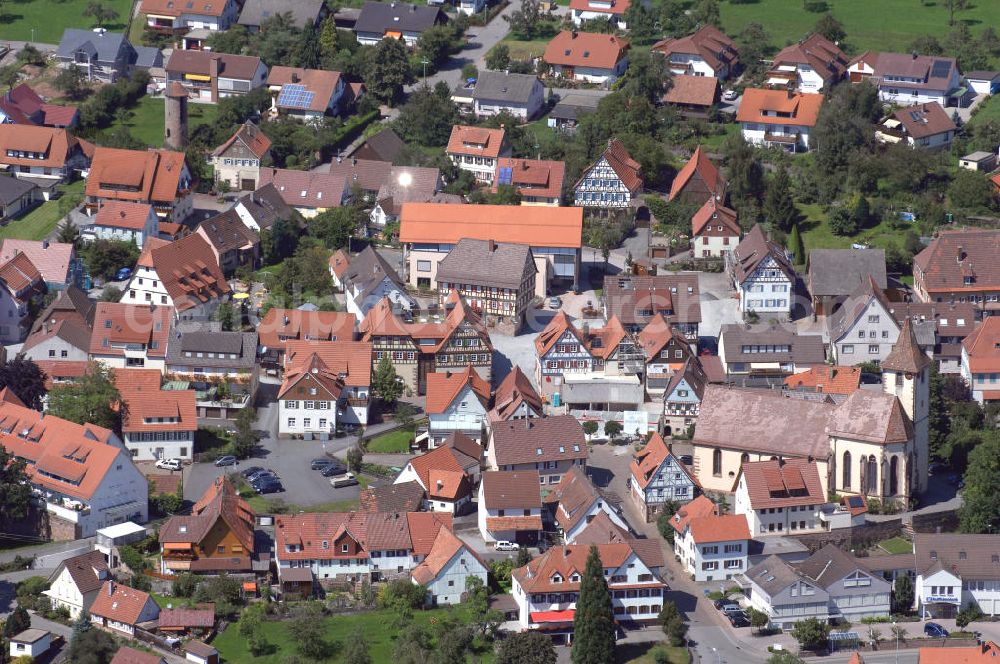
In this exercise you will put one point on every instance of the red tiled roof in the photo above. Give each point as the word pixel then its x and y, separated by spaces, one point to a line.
pixel 870 416
pixel 825 57
pixel 306 189
pixel 19 274
pixel 616 8
pixel 719 528
pixel 624 166
pixel 146 402
pixel 923 120
pixel 380 321
pixel 648 460
pixel 440 459
pixel 514 390
pixel 827 379
pixel 55 145
pixel 692 90
pixel 536 226
pixel 982 346
pixel 189 271
pixel 565 561
pixel 446 547
pixel 123 214
pixel 986 653
pixel 585 49
pixel 249 135
pixel 119 603
pixel 698 163
pixel 153 176
pixel 443 387
pixel 799 109
pixel 533 177
pixel 506 489
pixel 321 82
pixel 350 361
pixel 498 524
pixel 786 483
pixel 52 259
pixel 281 326
pixel 955 255
pixel 174 8
pixel 130 323
pixel 476 141
pixel 554 331
pixel 126 655
pixel 713 45
pixel 714 213
pixel 199 618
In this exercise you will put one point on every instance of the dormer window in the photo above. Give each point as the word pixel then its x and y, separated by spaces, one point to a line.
pixel 556 578
pixel 574 578
pixel 962 555
pixel 933 555
pixel 343 548
pixel 538 451
pixel 326 544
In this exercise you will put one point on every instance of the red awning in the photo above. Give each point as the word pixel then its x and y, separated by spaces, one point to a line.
pixel 249 586
pixel 553 616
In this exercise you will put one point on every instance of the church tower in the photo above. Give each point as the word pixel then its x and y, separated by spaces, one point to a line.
pixel 906 374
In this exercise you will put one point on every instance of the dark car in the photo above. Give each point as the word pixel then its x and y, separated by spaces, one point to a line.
pixel 335 468
pixel 227 460
pixel 320 464
pixel 264 476
pixel 252 470
pixel 686 459
pixel 270 486
pixel 935 630
pixel 739 618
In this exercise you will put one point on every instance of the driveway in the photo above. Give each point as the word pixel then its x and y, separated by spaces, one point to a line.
pixel 718 306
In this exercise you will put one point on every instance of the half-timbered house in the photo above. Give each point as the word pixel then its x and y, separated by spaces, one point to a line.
pixel 612 182
pixel 560 348
pixel 762 274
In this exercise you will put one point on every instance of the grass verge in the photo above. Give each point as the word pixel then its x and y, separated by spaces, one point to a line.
pixel 146 123
pixel 896 545
pixel 394 442
pixel 40 222
pixel 44 22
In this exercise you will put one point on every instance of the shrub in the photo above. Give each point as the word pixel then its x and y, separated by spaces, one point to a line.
pixel 185 585
pixel 815 6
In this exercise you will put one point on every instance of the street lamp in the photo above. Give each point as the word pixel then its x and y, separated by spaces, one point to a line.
pixel 425 62
pixel 895 631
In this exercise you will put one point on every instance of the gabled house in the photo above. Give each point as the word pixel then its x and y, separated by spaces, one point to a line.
pixel 615 349
pixel 45 153
pixel 217 537
pixel 21 285
pixel 560 348
pixel 636 299
pixel 456 402
pixel 521 95
pixel 682 397
pixel 281 326
pixel 325 384
pixel 786 595
pixel 384 145
pixel 104 56
pixel 612 183
pixel 263 208
pixel 233 245
pixel 925 126
pixel 17 197
pixel 237 162
pixel 157 177
pixel 396 20
pixel 125 222
pixel 658 477
pixel 184 275
pixel 158 424
pixel 692 96
pixel 131 335
pixel 958 266
pixel 711 546
pixel 666 350
pixel 954 571
pixel 56 261
pixel 307 192
pixel 366 279
pixel 477 150
pixel 547 589
pixel 698 181
pixel 549 445
pixel 303 13
pixel 539 182
pixel 939 329
pixel 813 64
pixel 575 502
pixel 909 78
pixel 515 399
pixel 307 95
pixel 587 57
pixel 565 116
pixel 120 609
pixel 863 329
pixel 780 497
pixel 510 507
pixel 855 593
pixel 208 77
pixel 778 118
pixel 708 52
pixel 59 338
pixel 227 359
pixel 406 496
pixel 762 275
pixel 612 11
pixel 448 343
pixel 980 367
pixel 715 230
pixel 835 273
pixel 446 568
pixel 836 380
pixel 22 106
pixel 497 279
pixel 75 582
pixel 408 184
pixel 768 350
pixel 447 474
pixel 170 18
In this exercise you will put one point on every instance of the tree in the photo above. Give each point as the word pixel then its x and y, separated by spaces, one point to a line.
pixel 667 512
pixel 528 647
pixel 758 619
pixel 706 12
pixel 25 379
pixel 498 59
pixel 673 624
pixel 969 614
pixel 647 76
pixel 388 71
pixel 590 427
pixel 329 41
pixel 17 621
pixel 796 246
pixel 93 646
pixel 593 623
pixel 526 23
pixel 454 640
pixel 785 657
pixel 68 232
pixel 434 44
pixel 980 512
pixel 612 429
pixel 278 242
pixel 386 383
pixel 969 192
pixel 105 257
pixel 100 12
pixel 779 205
pixel 245 439
pixel 92 399
pixel 72 82
pixel 485 619
pixel 427 117
pixel 842 221
pixel 831 28
pixel 902 595
pixel 308 48
pixel 355 458
pixel 249 627
pixel 184 585
pixel 357 649
pixel 746 175
pixel 954 6
pixel 811 634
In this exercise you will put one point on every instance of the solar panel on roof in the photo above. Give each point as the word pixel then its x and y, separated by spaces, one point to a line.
pixel 855 501
pixel 506 175
pixel 915 115
pixel 940 68
pixel 294 95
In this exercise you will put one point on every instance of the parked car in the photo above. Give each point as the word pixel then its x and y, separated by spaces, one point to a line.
pixel 721 604
pixel 686 459
pixel 504 545
pixel 335 468
pixel 123 274
pixel 347 479
pixel 935 630
pixel 730 95
pixel 739 618
pixel 320 464
pixel 169 464
pixel 555 302
pixel 226 460
pixel 262 475
pixel 270 486
pixel 252 470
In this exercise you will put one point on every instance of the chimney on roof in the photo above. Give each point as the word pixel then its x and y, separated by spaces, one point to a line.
pixel 491 245
pixel 566 552
pixel 574 34
pixel 111 588
pixel 354 161
pixel 961 254
pixel 286 320
pixel 295 77
pixel 45 244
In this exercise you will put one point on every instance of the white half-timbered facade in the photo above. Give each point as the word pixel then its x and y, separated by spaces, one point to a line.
pixel 560 349
pixel 762 274
pixel 611 183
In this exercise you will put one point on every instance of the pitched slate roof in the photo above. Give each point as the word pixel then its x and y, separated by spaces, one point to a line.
pixel 781 483
pixel 265 205
pixel 773 575
pixel 803 348
pixel 970 556
pixel 303 12
pixel 188 270
pixel 13 189
pixel 843 319
pixel 380 17
pixel 585 49
pixel 829 565
pixel 558 437
pixel 625 296
pixel 713 45
pixel 88 571
pixel 385 145
pixel 834 272
pixel 753 249
pixel 239 67
pixel 487 263
pixel 906 355
pixel 249 135
pixel 105 45
pixel 504 86
pixel 503 489
pixel 226 232
pixel 819 53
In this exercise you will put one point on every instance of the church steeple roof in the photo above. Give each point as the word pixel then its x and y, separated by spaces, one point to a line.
pixel 906 355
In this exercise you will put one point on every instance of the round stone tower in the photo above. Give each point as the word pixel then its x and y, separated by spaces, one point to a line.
pixel 175 116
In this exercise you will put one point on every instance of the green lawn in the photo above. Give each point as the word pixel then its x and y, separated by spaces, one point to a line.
pixel 378 627
pixel 146 123
pixel 816 232
pixel 884 25
pixel 263 505
pixel 674 655
pixel 989 109
pixel 525 50
pixel 394 442
pixel 40 222
pixel 896 545
pixel 50 17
